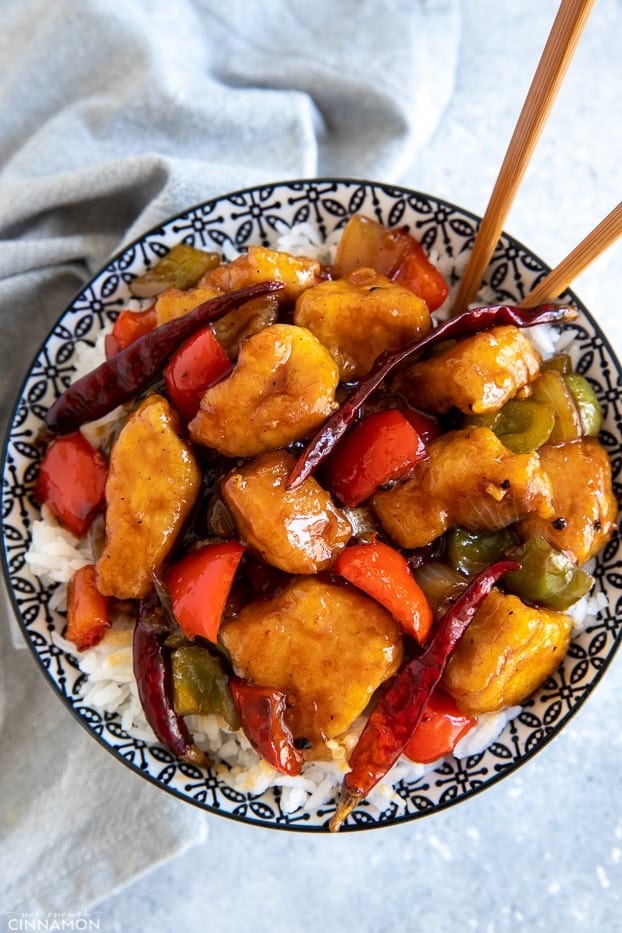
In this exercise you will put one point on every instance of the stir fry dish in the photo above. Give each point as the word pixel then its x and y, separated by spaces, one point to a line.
pixel 328 513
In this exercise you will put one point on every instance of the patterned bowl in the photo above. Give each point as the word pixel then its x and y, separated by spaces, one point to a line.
pixel 231 223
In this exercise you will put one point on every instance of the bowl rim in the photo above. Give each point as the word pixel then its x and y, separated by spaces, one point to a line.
pixel 11 601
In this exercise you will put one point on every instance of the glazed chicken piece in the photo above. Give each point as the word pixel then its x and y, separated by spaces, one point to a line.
pixel 257 265
pixel 153 481
pixel 507 651
pixel 358 317
pixel 280 390
pixel 175 302
pixel 260 264
pixel 326 646
pixel 298 530
pixel 478 374
pixel 231 328
pixel 584 506
pixel 470 479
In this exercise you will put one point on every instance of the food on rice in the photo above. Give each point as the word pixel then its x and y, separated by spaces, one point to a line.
pixel 300 530
pixel 475 375
pixel 359 317
pixel 153 481
pixel 280 390
pixel 327 646
pixel 470 480
pixel 300 650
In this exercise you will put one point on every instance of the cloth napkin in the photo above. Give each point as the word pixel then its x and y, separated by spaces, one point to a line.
pixel 113 116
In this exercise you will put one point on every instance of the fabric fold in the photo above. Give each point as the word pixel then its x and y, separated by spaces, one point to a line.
pixel 115 117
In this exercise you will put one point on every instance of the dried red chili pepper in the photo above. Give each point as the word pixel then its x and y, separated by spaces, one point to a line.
pixel 469 322
pixel 261 711
pixel 119 378
pixel 399 710
pixel 152 669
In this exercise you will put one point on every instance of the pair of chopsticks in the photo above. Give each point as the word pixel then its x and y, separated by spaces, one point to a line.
pixel 558 51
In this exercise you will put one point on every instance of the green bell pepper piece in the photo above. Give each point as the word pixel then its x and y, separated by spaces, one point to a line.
pixel 547 576
pixel 470 552
pixel 522 425
pixel 550 389
pixel 560 363
pixel 590 412
pixel 182 267
pixel 200 685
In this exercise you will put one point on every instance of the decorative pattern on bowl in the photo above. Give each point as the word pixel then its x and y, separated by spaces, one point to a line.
pixel 258 216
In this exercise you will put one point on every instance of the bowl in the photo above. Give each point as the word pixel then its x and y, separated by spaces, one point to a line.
pixel 230 223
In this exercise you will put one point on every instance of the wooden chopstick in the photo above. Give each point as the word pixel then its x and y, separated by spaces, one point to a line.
pixel 595 243
pixel 558 51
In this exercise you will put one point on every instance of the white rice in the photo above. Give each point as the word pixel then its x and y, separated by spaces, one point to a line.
pixel 111 688
pixel 55 554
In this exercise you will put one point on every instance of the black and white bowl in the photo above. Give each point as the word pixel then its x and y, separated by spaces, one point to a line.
pixel 231 223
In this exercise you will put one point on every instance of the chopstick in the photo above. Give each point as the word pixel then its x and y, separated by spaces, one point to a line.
pixel 558 51
pixel 595 243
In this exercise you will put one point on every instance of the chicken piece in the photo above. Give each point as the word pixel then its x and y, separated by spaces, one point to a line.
pixel 478 374
pixel 232 327
pixel 175 303
pixel 265 265
pixel 326 646
pixel 298 530
pixel 584 506
pixel 280 390
pixel 358 317
pixel 470 479
pixel 152 484
pixel 507 651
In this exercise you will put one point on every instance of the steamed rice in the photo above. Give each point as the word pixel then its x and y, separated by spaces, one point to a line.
pixel 110 687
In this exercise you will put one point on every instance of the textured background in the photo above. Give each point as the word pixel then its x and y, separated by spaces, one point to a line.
pixel 543 848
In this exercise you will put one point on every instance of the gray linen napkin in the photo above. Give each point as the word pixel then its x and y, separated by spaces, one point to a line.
pixel 113 117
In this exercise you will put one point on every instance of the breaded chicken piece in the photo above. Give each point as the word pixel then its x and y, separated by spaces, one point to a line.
pixel 298 530
pixel 257 265
pixel 507 651
pixel 469 479
pixel 477 374
pixel 153 481
pixel 358 317
pixel 280 390
pixel 176 302
pixel 584 506
pixel 260 264
pixel 326 646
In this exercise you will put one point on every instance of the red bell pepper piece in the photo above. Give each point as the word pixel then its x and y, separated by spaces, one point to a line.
pixel 128 327
pixel 261 711
pixel 426 426
pixel 399 709
pixel 72 480
pixel 382 447
pixel 87 609
pixel 393 253
pixel 199 585
pixel 421 276
pixel 440 728
pixel 199 362
pixel 384 574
